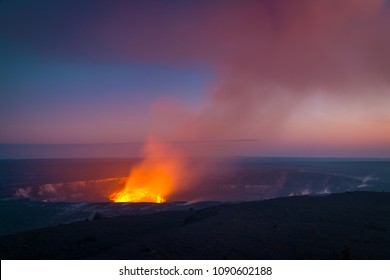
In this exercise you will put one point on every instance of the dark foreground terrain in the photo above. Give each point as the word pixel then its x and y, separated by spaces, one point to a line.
pixel 354 225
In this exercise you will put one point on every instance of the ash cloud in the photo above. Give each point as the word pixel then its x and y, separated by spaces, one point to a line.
pixel 269 56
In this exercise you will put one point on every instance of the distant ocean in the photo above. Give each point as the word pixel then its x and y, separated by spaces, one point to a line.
pixel 39 151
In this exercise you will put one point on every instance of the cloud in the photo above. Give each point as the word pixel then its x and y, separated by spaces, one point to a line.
pixel 267 55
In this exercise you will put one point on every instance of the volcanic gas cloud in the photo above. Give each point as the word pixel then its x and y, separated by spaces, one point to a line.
pixel 277 66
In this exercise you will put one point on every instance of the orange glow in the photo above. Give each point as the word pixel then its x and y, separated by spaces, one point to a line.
pixel 154 179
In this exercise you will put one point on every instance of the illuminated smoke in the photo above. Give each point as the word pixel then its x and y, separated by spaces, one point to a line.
pixel 268 58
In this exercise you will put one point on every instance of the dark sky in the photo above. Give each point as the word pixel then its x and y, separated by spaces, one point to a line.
pixel 302 78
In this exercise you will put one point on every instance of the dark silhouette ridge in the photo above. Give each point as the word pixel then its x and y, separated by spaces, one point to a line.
pixel 353 225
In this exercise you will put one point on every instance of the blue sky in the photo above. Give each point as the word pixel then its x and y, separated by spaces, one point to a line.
pixel 42 92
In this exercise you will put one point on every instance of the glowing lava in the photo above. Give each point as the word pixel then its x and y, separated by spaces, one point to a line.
pixel 154 179
pixel 151 181
pixel 137 195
